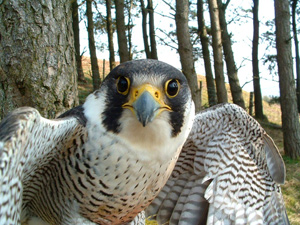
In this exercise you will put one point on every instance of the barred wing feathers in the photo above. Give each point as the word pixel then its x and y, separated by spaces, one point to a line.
pixel 27 140
pixel 228 172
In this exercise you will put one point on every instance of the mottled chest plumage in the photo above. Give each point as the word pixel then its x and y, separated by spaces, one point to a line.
pixel 117 182
pixel 104 182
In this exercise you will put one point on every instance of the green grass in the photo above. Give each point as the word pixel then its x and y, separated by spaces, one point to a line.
pixel 84 89
pixel 291 190
pixel 272 125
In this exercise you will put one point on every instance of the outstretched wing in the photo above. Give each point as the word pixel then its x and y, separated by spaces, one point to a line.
pixel 26 140
pixel 228 172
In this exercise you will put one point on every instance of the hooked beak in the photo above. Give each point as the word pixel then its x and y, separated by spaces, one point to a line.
pixel 146 102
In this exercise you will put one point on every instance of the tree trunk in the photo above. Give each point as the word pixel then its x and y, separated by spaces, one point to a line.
pixel 129 28
pixel 152 30
pixel 185 49
pixel 122 40
pixel 251 103
pixel 294 7
pixel 37 57
pixel 110 34
pixel 210 82
pixel 290 117
pixel 103 69
pixel 77 40
pixel 92 47
pixel 235 87
pixel 255 64
pixel 217 51
pixel 150 54
pixel 144 26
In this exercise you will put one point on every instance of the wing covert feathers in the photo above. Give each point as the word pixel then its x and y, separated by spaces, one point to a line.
pixel 228 172
pixel 26 140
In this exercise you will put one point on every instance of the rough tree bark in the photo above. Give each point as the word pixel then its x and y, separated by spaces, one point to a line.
pixel 258 105
pixel 121 31
pixel 77 40
pixel 290 117
pixel 110 35
pixel 92 47
pixel 217 51
pixel 185 49
pixel 235 87
pixel 210 82
pixel 37 57
pixel 297 58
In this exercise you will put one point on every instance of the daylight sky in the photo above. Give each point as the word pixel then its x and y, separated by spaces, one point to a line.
pixel 242 46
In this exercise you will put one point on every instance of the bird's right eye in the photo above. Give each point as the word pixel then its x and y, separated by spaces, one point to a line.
pixel 172 88
pixel 123 84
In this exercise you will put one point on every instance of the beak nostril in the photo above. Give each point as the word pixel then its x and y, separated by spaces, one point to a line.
pixel 136 93
pixel 156 94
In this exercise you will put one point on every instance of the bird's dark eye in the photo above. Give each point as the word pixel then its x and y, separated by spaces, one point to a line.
pixel 123 84
pixel 172 88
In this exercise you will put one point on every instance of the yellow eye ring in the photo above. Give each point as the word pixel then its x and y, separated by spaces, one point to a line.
pixel 172 88
pixel 123 84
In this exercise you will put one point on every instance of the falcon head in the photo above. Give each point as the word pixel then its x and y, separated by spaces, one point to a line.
pixel 144 102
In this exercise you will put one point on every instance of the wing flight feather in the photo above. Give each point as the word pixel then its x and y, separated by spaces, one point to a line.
pixel 26 140
pixel 229 172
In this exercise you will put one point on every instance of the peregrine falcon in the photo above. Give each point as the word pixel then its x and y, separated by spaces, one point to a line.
pixel 134 141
